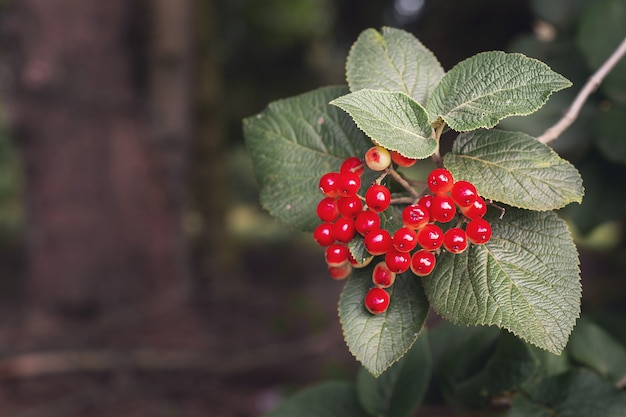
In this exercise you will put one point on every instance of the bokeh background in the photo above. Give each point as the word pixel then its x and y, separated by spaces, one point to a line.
pixel 138 274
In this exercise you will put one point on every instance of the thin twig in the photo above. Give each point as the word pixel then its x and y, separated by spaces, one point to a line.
pixel 403 182
pixel 592 84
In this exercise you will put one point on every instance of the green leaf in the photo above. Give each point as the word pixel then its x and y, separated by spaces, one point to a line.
pixel 483 89
pixel 576 393
pixel 378 341
pixel 330 399
pixel 593 347
pixel 393 120
pixel 401 388
pixel 514 168
pixel 392 61
pixel 292 144
pixel 525 279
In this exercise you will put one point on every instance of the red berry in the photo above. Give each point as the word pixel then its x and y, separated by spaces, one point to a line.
pixel 337 254
pixel 415 216
pixel 426 201
pixel 324 234
pixel 430 237
pixel 348 184
pixel 440 181
pixel 402 160
pixel 478 231
pixel 344 229
pixel 329 184
pixel 378 197
pixel 327 209
pixel 377 241
pixel 442 209
pixel 463 193
pixel 382 276
pixel 366 221
pixel 352 164
pixel 422 262
pixel 397 261
pixel 377 300
pixel 455 240
pixel 377 158
pixel 350 206
pixel 340 272
pixel 476 210
pixel 405 239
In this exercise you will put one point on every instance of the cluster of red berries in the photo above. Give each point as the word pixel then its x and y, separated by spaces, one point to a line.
pixel 344 213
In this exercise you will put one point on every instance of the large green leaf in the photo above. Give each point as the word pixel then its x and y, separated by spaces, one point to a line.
pixel 525 279
pixel 401 388
pixel 393 120
pixel 393 60
pixel 378 341
pixel 514 168
pixel 292 144
pixel 482 90
pixel 330 399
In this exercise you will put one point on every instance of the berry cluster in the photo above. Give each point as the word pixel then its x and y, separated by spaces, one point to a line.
pixel 344 214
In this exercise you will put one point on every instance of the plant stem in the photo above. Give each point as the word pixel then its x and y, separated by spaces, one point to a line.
pixel 592 84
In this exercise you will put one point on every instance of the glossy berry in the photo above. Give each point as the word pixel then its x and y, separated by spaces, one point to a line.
pixel 397 261
pixel 337 254
pixel 426 201
pixel 476 210
pixel 455 240
pixel 324 234
pixel 442 209
pixel 366 221
pixel 378 197
pixel 329 184
pixel 348 184
pixel 377 158
pixel 377 300
pixel 349 206
pixel 327 209
pixel 401 160
pixel 377 242
pixel 430 237
pixel 415 216
pixel 463 193
pixel 440 181
pixel 352 164
pixel 405 239
pixel 359 264
pixel 344 229
pixel 340 272
pixel 382 276
pixel 478 231
pixel 423 262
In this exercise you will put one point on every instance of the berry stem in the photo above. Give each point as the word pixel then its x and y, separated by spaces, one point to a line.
pixel 403 182
pixel 436 156
pixel 502 209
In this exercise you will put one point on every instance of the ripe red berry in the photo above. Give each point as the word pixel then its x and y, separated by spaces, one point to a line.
pixel 352 164
pixel 327 209
pixel 377 158
pixel 340 272
pixel 478 231
pixel 324 234
pixel 329 184
pixel 344 229
pixel 455 240
pixel 476 210
pixel 440 181
pixel 397 261
pixel 405 239
pixel 415 216
pixel 349 206
pixel 402 160
pixel 442 209
pixel 377 300
pixel 377 242
pixel 348 184
pixel 426 201
pixel 430 237
pixel 337 254
pixel 422 262
pixel 382 276
pixel 463 193
pixel 366 221
pixel 378 197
